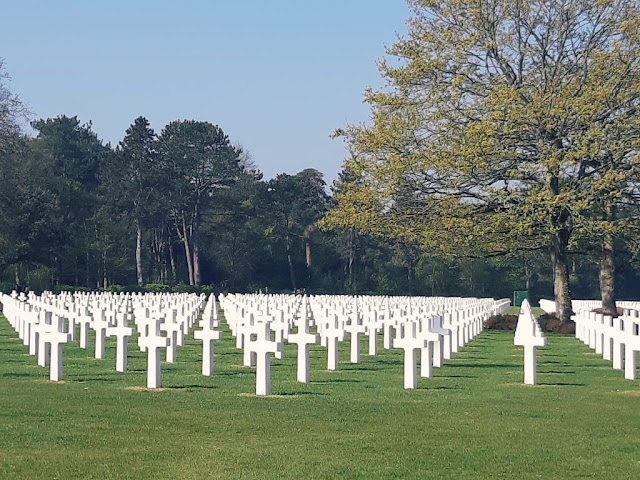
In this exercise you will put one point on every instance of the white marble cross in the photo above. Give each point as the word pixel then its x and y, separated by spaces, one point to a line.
pixel 122 332
pixel 84 319
pixel 430 338
pixel 303 338
pixel 445 337
pixel 529 336
pixel 100 325
pixel 44 347
pixel 373 327
pixel 208 335
pixel 174 331
pixel 153 343
pixel 355 328
pixel 631 328
pixel 56 340
pixel 332 333
pixel 263 347
pixel 408 339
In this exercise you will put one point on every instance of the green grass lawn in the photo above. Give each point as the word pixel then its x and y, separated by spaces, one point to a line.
pixel 474 419
pixel 537 311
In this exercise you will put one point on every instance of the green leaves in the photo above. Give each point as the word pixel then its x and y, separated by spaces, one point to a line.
pixel 522 115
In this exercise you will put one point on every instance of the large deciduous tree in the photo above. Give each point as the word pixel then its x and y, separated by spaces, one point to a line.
pixel 132 178
pixel 74 152
pixel 198 159
pixel 507 125
pixel 296 202
pixel 12 112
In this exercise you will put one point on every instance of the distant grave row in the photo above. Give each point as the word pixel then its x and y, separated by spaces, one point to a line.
pixel 433 327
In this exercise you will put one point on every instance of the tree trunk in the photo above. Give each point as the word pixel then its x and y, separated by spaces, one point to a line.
pixel 16 276
pixel 105 282
pixel 607 276
pixel 172 260
pixel 139 254
pixel 162 258
pixel 289 261
pixel 87 273
pixel 187 250
pixel 76 263
pixel 306 234
pixel 196 244
pixel 350 260
pixel 561 286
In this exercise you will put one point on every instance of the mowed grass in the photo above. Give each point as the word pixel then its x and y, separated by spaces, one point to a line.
pixel 537 311
pixel 473 419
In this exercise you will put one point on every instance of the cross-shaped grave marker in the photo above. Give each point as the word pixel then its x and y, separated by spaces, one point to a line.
pixel 303 338
pixel 408 339
pixel 529 336
pixel 122 332
pixel 355 328
pixel 444 334
pixel 430 338
pixel 174 331
pixel 208 335
pixel 56 339
pixel 153 343
pixel 44 348
pixel 261 344
pixel 84 319
pixel 100 325
pixel 332 333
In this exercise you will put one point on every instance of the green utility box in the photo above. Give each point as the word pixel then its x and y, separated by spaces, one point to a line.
pixel 518 297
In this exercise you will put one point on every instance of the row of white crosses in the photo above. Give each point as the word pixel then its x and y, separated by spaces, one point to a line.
pixel 528 335
pixel 261 323
pixel 617 339
pixel 549 306
pixel 42 331
pixel 437 327
pixel 46 323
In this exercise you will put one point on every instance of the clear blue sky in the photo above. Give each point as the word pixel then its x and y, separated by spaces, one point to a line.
pixel 278 76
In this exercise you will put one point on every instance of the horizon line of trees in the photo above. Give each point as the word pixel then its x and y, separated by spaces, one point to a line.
pixel 185 208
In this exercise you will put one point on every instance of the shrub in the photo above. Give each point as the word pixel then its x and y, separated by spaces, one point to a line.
pixel 6 287
pixel 206 289
pixel 501 322
pixel 156 288
pixel 549 323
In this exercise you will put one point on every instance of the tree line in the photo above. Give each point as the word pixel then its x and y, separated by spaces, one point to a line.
pixel 186 208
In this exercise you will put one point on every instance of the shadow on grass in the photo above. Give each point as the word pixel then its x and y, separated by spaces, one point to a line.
pixel 82 379
pixel 438 388
pixel 384 362
pixel 295 394
pixel 357 368
pixel 455 376
pixel 484 365
pixel 181 387
pixel 556 371
pixel 562 384
pixel 17 374
pixel 236 373
pixel 335 380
